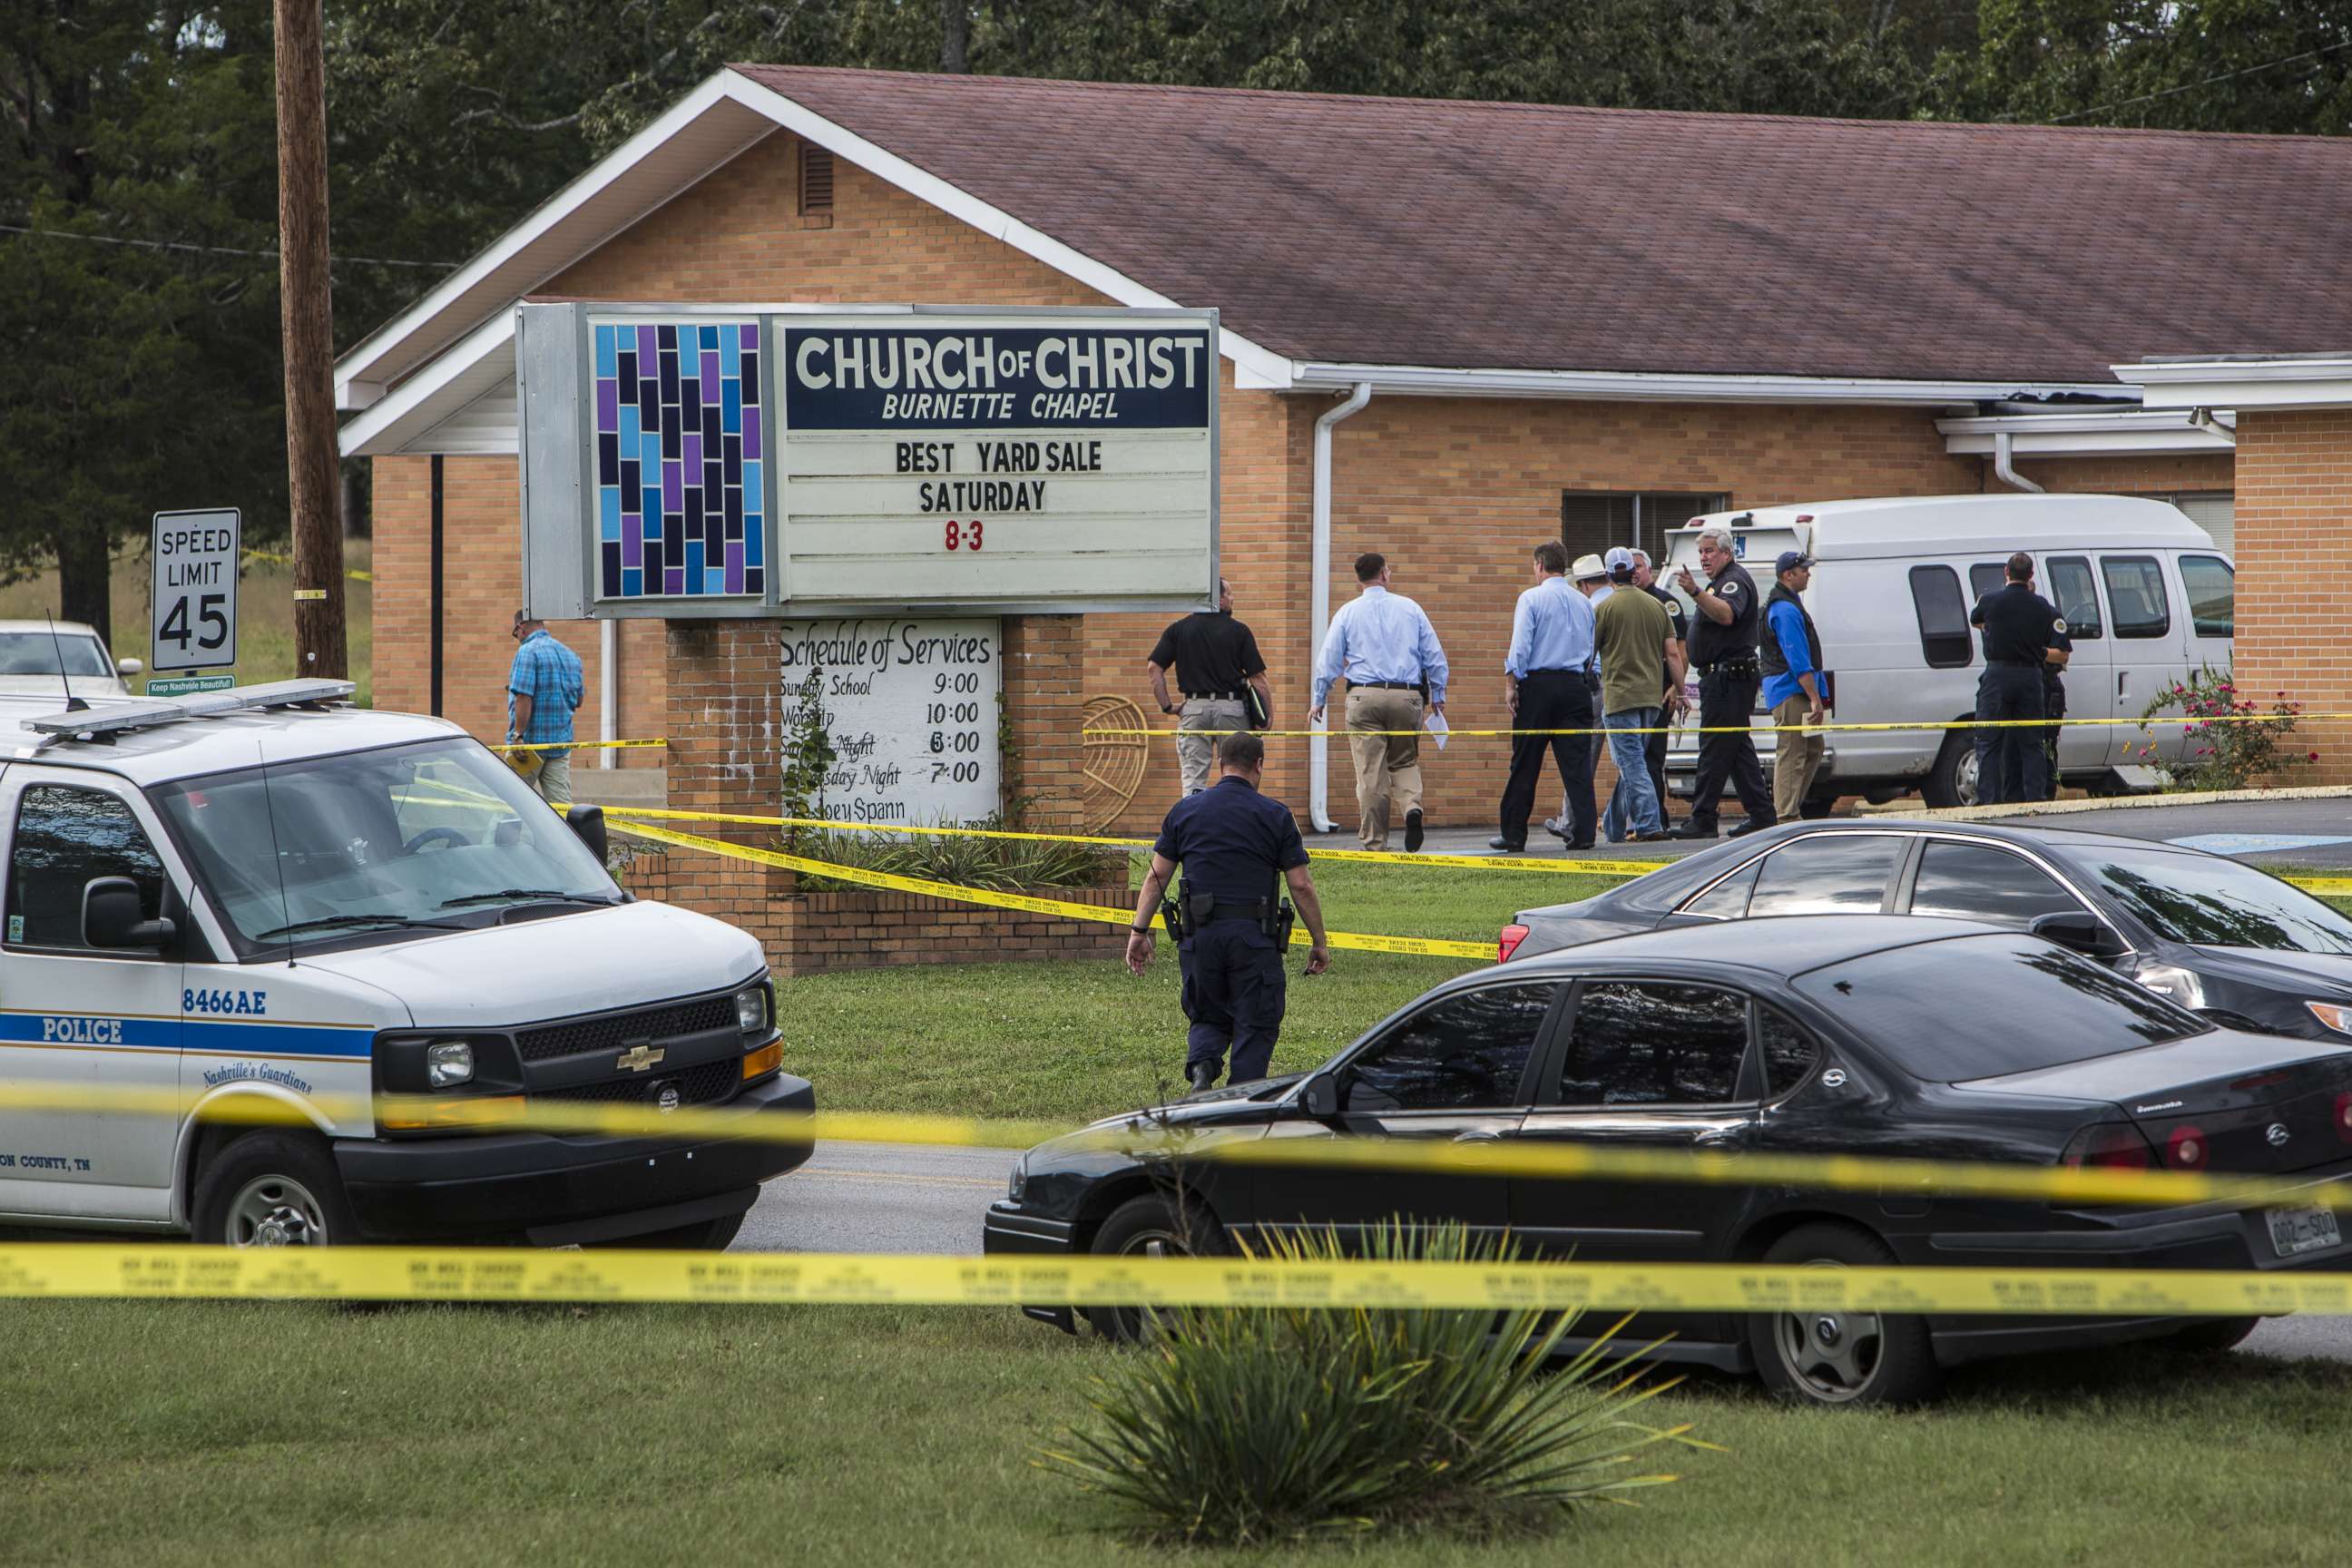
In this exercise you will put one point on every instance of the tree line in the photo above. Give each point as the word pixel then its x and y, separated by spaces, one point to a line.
pixel 139 354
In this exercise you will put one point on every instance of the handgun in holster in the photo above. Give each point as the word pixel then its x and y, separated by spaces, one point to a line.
pixel 1276 917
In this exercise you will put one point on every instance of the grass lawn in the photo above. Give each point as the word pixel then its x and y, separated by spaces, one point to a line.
pixel 157 1433
pixel 265 607
pixel 1065 1041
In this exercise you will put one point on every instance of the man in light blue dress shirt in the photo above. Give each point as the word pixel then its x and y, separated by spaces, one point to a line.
pixel 1383 644
pixel 1551 648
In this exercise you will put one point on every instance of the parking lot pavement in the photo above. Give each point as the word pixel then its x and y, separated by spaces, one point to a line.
pixel 879 1198
pixel 914 1197
pixel 2314 833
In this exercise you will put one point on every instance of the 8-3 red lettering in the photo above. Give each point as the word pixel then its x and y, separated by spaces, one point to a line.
pixel 963 536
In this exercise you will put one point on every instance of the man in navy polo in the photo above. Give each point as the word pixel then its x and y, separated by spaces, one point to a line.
pixel 1238 848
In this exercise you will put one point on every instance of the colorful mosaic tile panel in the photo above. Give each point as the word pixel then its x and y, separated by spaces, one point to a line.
pixel 679 455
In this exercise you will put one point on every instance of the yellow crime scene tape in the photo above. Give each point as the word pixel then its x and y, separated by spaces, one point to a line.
pixel 1831 728
pixel 1877 1175
pixel 572 745
pixel 1376 857
pixel 1101 914
pixel 504 1274
pixel 353 574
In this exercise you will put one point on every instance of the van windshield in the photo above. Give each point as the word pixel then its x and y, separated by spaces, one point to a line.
pixel 343 846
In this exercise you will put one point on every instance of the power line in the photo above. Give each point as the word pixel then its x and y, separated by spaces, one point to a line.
pixel 2209 81
pixel 209 250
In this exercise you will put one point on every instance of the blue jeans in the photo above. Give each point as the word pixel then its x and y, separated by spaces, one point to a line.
pixel 1633 808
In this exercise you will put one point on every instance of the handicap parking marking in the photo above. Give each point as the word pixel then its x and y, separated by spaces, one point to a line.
pixel 2257 843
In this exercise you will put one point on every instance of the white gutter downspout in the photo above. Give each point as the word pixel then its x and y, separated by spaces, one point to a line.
pixel 2002 467
pixel 1319 601
pixel 608 691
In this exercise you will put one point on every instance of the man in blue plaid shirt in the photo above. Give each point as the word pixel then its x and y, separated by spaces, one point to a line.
pixel 544 688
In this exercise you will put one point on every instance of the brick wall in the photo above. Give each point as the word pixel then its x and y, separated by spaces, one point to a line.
pixel 813 933
pixel 725 722
pixel 2294 491
pixel 481 584
pixel 2208 472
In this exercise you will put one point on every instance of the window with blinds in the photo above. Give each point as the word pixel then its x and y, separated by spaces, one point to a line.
pixel 1591 522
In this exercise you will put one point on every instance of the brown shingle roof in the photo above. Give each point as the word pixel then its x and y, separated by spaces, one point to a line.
pixel 1416 232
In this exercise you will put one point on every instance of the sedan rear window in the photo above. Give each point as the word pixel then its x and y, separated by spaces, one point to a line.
pixel 1982 1007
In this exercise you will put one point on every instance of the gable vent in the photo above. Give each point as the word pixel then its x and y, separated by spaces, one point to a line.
pixel 816 179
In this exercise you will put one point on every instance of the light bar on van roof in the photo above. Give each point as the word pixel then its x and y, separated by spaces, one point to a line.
pixel 114 720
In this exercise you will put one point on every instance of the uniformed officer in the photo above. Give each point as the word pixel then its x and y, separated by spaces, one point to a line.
pixel 1723 651
pixel 1216 662
pixel 2021 629
pixel 1238 849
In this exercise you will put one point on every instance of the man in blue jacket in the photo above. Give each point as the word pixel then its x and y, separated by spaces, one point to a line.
pixel 1790 653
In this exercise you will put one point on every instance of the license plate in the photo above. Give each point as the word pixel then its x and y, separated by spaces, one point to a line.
pixel 2294 1231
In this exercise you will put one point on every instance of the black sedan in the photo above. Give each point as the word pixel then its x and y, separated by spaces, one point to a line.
pixel 1861 1035
pixel 2214 934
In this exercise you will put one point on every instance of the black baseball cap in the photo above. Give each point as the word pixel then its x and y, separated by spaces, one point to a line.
pixel 1789 561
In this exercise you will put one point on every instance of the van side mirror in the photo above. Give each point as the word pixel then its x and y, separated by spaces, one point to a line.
pixel 1320 1096
pixel 129 665
pixel 110 919
pixel 588 822
pixel 2081 931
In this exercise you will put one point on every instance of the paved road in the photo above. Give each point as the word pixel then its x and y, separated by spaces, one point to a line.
pixel 909 1197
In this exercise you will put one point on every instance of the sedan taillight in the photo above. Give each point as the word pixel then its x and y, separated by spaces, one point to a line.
pixel 1509 943
pixel 2110 1146
pixel 2344 1117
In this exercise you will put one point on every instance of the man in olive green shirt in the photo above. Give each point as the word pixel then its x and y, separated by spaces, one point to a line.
pixel 1633 634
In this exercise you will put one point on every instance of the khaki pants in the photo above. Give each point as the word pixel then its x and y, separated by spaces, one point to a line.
pixel 1197 757
pixel 1796 756
pixel 1388 767
pixel 554 780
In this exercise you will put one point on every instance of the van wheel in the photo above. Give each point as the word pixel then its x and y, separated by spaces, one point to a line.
pixel 1952 777
pixel 273 1189
pixel 1149 1227
pixel 1842 1358
pixel 703 1236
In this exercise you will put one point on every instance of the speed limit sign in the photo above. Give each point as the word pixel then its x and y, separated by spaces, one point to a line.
pixel 195 555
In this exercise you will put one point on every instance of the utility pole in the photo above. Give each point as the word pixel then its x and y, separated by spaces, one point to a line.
pixel 307 321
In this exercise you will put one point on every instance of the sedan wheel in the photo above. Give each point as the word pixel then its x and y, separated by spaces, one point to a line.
pixel 1830 1356
pixel 1152 1226
pixel 1838 1357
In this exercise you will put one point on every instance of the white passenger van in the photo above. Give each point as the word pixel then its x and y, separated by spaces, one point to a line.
pixel 2146 596
pixel 366 920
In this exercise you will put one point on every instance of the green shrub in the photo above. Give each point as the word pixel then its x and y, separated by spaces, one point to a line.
pixel 1256 1424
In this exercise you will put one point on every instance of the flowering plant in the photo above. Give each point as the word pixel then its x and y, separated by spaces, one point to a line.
pixel 2228 741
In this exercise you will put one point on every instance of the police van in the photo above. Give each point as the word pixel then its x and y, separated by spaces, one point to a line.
pixel 275 971
pixel 2147 597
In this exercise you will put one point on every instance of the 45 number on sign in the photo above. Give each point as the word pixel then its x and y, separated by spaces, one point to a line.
pixel 964 535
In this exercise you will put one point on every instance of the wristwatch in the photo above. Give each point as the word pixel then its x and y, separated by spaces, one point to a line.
pixel 1140 931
